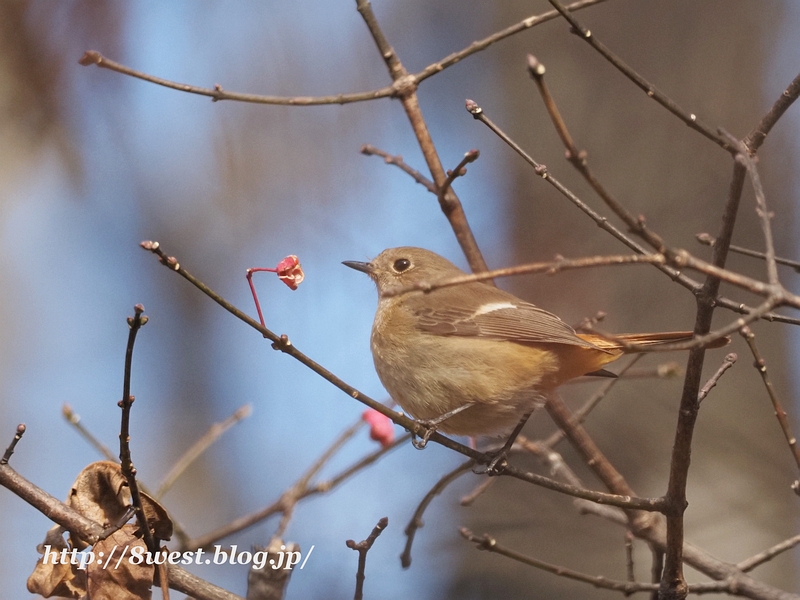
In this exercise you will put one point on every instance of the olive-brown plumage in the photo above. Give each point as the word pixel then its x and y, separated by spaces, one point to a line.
pixel 435 352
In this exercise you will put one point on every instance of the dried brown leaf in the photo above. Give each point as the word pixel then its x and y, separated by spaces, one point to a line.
pixel 157 517
pixel 101 494
pixel 112 575
pixel 56 578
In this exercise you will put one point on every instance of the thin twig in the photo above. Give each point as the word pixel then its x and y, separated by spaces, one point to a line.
pixel 486 542
pixel 761 366
pixel 759 133
pixel 329 484
pixel 759 559
pixel 297 491
pixel 550 268
pixel 676 258
pixel 689 119
pixel 469 157
pixel 667 370
pixel 541 170
pixel 217 93
pixel 397 161
pixel 708 240
pixel 126 463
pixel 579 159
pixel 556 465
pixel 468 499
pixel 74 419
pixel 629 565
pixel 362 548
pixel 730 360
pixel 201 445
pixel 406 86
pixel 416 520
pixel 480 45
pixel 10 448
pixel 624 501
pixel 744 309
pixel 683 259
pixel 765 217
pixel 594 458
pixel 294 493
pixel 656 568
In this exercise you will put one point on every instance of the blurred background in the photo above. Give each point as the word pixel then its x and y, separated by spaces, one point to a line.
pixel 92 162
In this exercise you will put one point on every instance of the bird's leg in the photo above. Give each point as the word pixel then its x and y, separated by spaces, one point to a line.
pixel 495 466
pixel 433 424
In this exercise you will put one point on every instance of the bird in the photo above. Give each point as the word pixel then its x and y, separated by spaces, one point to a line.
pixel 474 360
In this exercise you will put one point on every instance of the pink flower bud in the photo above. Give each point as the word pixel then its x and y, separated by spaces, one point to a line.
pixel 381 428
pixel 290 272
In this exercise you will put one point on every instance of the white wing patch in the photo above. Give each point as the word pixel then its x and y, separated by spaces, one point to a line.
pixel 491 307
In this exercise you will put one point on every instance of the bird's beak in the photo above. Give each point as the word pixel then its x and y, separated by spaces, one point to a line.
pixel 359 266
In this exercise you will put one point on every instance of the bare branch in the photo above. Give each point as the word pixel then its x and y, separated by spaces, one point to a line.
pixel 689 119
pixel 550 268
pixel 398 162
pixel 759 133
pixel 201 445
pixel 541 170
pixel 416 520
pixel 74 419
pixel 490 544
pixel 297 491
pixel 469 157
pixel 362 548
pixel 673 584
pixel 761 366
pixel 729 361
pixel 480 45
pixel 92 57
pixel 217 93
pixel 768 554
pixel 126 463
pixel 10 448
pixel 406 86
pixel 708 240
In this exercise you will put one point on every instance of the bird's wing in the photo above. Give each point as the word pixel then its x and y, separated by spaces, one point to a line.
pixel 503 319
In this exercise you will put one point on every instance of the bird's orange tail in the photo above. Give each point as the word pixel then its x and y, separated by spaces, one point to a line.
pixel 618 341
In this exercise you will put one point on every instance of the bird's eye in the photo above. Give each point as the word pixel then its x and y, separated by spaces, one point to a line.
pixel 401 264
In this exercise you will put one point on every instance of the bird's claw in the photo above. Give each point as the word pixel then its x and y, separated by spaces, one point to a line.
pixel 497 465
pixel 430 429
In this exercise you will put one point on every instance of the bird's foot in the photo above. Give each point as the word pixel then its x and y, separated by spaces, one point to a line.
pixel 430 429
pixel 431 425
pixel 498 462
